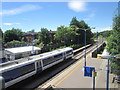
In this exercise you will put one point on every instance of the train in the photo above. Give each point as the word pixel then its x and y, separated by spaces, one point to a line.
pixel 19 70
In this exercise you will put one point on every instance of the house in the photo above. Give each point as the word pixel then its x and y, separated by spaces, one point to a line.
pixel 51 35
pixel 30 36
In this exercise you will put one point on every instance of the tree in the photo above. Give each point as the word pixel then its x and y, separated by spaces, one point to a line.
pixel 1 39
pixel 32 31
pixel 13 34
pixel 14 43
pixel 1 36
pixel 114 41
pixel 74 21
pixel 65 35
pixel 79 27
pixel 113 45
pixel 44 36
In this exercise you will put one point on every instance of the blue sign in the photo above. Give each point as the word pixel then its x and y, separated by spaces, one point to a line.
pixel 88 71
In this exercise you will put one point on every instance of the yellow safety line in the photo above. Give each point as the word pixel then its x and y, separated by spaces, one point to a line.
pixel 68 74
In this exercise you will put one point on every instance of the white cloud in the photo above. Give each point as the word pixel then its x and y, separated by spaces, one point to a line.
pixel 9 24
pixel 90 16
pixel 77 6
pixel 105 29
pixel 102 29
pixel 22 9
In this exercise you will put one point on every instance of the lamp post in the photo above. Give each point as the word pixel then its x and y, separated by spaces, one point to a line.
pixel 107 74
pixel 97 42
pixel 32 43
pixel 85 42
pixel 85 47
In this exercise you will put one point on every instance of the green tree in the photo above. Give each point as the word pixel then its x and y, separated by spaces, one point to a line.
pixel 74 21
pixel 14 43
pixel 1 36
pixel 44 36
pixel 13 34
pixel 65 35
pixel 113 45
pixel 1 39
pixel 79 27
pixel 32 31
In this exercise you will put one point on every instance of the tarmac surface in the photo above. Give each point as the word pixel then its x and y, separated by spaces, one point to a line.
pixel 73 76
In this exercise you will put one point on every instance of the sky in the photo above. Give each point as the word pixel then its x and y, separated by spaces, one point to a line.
pixel 36 15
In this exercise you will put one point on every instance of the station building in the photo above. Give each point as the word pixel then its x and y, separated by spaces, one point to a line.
pixel 21 52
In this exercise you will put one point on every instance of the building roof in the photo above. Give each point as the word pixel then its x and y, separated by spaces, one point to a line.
pixel 21 49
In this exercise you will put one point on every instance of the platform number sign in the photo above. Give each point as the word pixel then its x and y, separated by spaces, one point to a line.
pixel 88 71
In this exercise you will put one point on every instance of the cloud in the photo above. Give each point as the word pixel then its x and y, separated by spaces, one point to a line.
pixel 105 29
pixel 22 9
pixel 77 6
pixel 90 16
pixel 102 29
pixel 9 24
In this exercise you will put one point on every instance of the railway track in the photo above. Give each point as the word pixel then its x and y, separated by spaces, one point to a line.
pixel 40 79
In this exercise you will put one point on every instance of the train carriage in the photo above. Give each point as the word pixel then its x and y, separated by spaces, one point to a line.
pixel 23 69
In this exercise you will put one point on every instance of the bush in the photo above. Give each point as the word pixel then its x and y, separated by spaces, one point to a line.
pixel 40 45
pixel 14 43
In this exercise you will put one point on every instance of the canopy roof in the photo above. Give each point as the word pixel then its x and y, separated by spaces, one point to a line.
pixel 21 49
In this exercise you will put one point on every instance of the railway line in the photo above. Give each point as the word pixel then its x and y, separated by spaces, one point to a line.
pixel 42 78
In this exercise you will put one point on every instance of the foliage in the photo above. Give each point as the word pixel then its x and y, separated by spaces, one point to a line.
pixel 40 45
pixel 80 27
pixel 115 66
pixel 105 34
pixel 32 31
pixel 75 22
pixel 13 34
pixel 36 41
pixel 113 45
pixel 65 35
pixel 44 36
pixel 1 36
pixel 14 43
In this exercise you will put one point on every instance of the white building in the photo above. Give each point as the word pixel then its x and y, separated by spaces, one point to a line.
pixel 20 52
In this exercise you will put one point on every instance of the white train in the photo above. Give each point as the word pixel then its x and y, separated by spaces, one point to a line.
pixel 17 71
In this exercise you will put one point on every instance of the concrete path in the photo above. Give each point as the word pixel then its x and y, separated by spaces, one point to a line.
pixel 73 76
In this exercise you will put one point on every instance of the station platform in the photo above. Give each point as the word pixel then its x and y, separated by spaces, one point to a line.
pixel 73 76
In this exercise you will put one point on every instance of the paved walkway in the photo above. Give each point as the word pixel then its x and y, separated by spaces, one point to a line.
pixel 73 76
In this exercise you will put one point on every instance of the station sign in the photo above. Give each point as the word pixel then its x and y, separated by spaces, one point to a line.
pixel 88 71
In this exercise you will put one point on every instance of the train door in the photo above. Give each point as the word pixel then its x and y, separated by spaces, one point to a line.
pixel 64 55
pixel 39 66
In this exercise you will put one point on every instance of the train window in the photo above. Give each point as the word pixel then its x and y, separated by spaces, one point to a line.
pixel 58 56
pixel 38 64
pixel 48 60
pixel 27 68
pixel 68 52
pixel 17 72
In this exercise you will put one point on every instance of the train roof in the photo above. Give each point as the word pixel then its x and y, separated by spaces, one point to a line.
pixel 32 58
